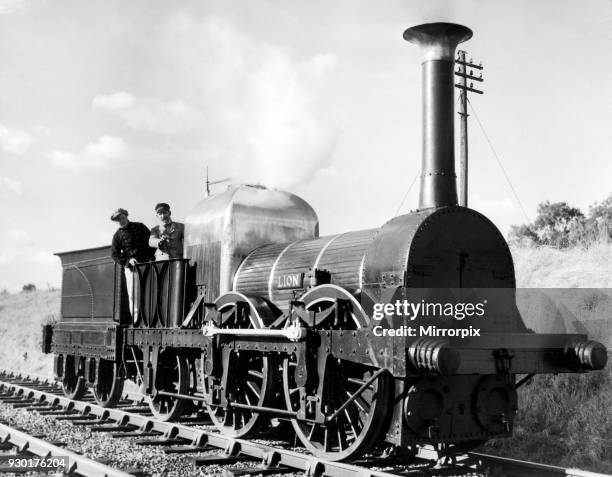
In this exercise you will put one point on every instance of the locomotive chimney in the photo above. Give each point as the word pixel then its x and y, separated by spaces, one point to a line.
pixel 438 42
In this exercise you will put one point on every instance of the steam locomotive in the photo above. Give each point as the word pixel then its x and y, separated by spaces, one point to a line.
pixel 264 318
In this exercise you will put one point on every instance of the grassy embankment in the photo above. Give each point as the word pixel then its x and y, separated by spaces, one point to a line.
pixel 563 420
pixel 566 419
pixel 21 319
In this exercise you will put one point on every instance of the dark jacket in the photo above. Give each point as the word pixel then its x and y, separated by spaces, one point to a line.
pixel 131 242
pixel 173 246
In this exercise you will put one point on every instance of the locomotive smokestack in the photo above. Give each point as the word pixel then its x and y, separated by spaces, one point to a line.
pixel 438 42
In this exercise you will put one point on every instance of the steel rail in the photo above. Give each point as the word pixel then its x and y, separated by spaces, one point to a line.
pixel 521 468
pixel 78 464
pixel 310 465
pixel 41 379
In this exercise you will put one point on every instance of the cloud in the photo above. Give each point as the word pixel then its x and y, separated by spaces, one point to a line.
pixel 322 64
pixel 329 172
pixel 14 141
pixel 44 258
pixel 17 234
pixel 7 257
pixel 10 185
pixel 100 154
pixel 264 115
pixel 153 115
pixel 10 6
pixel 114 102
pixel 43 130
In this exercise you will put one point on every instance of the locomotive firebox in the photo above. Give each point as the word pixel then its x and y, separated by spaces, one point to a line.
pixel 225 228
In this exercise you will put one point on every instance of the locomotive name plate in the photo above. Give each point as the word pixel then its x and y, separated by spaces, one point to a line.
pixel 290 280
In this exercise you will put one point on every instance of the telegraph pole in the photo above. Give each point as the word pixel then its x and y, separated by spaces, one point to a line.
pixel 462 65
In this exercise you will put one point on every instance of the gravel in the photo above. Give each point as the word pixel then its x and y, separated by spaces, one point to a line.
pixel 119 453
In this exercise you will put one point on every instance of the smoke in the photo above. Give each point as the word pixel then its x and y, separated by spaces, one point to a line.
pixel 262 107
pixel 429 11
pixel 147 114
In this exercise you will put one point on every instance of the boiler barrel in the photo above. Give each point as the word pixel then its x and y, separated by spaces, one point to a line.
pixel 279 271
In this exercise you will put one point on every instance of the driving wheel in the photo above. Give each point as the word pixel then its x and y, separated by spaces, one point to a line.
pixel 249 381
pixel 354 423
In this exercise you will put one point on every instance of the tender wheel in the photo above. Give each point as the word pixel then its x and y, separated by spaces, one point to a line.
pixel 358 426
pixel 108 387
pixel 73 385
pixel 251 374
pixel 172 376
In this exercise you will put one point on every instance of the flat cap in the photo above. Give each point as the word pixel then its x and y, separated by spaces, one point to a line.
pixel 162 205
pixel 115 215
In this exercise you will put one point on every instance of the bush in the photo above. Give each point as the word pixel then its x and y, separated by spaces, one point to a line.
pixel 29 287
pixel 560 225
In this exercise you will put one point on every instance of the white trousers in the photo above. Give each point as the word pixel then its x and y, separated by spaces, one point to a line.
pixel 129 282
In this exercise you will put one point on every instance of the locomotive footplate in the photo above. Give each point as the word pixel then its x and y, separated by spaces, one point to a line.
pixel 491 353
pixel 164 337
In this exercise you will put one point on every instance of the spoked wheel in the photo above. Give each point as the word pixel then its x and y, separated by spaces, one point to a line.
pixel 73 385
pixel 357 427
pixel 172 377
pixel 251 376
pixel 109 385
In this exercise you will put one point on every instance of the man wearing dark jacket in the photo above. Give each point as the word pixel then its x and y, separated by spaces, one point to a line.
pixel 130 246
pixel 167 237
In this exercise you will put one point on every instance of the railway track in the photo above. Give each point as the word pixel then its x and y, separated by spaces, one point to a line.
pixel 36 454
pixel 193 437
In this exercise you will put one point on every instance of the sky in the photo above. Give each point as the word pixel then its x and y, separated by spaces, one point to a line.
pixel 107 104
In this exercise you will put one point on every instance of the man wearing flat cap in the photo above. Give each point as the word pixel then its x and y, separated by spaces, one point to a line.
pixel 130 245
pixel 167 237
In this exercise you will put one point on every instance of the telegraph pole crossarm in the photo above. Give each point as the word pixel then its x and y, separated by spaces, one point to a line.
pixel 464 75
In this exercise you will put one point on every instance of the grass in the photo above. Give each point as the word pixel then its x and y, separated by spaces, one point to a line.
pixel 547 267
pixel 21 318
pixel 567 419
pixel 563 420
